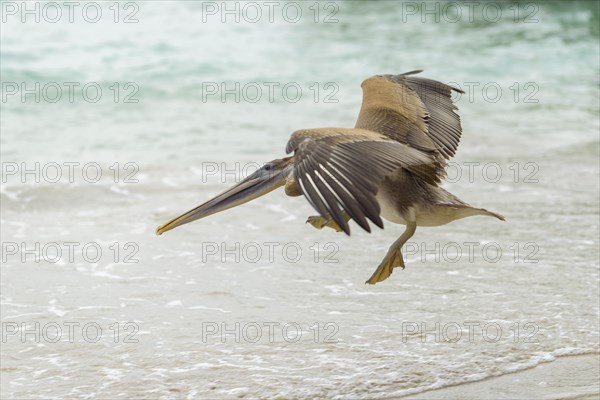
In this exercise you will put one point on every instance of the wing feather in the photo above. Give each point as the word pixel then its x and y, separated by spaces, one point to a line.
pixel 412 110
pixel 340 170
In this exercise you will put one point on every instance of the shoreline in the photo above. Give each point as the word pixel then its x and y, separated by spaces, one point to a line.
pixel 566 377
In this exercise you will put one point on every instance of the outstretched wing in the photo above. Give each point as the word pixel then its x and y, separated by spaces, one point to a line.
pixel 340 170
pixel 415 111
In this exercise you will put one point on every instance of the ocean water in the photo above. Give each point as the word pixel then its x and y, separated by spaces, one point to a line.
pixel 109 129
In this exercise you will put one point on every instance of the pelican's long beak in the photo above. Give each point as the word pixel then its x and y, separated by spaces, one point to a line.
pixel 263 181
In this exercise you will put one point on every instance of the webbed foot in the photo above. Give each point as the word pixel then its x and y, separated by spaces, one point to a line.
pixel 320 222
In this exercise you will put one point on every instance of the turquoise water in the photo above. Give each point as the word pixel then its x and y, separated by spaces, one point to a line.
pixel 177 143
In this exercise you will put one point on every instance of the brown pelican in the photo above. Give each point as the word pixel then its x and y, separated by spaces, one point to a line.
pixel 389 165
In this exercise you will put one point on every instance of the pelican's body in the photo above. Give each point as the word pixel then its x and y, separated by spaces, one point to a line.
pixel 390 165
pixel 402 199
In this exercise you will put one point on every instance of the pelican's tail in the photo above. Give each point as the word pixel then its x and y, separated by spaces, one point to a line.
pixel 483 211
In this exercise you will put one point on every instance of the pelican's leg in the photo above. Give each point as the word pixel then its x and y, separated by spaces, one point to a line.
pixel 393 258
pixel 319 222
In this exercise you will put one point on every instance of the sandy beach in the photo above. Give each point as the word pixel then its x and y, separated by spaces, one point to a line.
pixel 573 377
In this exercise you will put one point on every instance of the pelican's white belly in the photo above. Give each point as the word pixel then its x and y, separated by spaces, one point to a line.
pixel 389 210
pixel 435 215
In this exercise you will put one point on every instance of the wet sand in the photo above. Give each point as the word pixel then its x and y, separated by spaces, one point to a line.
pixel 574 377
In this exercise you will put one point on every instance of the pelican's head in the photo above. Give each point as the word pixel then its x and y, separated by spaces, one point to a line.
pixel 268 178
